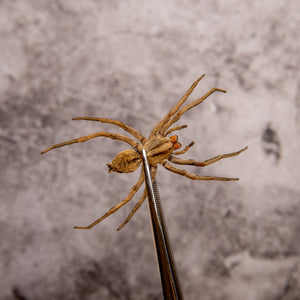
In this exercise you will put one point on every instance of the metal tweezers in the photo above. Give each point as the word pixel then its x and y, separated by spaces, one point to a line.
pixel 169 280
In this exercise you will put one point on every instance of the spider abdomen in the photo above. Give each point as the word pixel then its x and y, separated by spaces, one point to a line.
pixel 125 162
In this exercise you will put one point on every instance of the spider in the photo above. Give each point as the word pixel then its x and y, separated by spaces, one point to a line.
pixel 160 148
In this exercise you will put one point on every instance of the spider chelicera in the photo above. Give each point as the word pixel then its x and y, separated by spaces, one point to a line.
pixel 159 146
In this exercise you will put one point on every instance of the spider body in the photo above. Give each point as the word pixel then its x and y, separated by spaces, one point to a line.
pixel 160 149
pixel 157 149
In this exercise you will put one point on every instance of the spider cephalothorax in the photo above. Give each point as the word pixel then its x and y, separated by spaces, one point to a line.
pixel 160 149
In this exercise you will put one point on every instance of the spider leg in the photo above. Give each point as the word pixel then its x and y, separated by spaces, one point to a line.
pixel 193 176
pixel 139 203
pixel 82 139
pixel 136 207
pixel 185 108
pixel 132 192
pixel 167 117
pixel 125 127
pixel 206 162
pixel 182 151
pixel 176 128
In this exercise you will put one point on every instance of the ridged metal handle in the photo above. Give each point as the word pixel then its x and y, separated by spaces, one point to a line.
pixel 168 274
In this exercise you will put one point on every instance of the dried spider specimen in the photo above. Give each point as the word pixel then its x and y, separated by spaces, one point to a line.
pixel 159 146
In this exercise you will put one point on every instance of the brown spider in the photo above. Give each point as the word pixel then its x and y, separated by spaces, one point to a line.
pixel 159 148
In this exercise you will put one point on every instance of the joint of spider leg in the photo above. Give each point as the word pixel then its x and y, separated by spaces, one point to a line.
pixel 219 90
pixel 139 150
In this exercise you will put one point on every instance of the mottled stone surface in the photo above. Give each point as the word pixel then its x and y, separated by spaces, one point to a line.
pixel 132 60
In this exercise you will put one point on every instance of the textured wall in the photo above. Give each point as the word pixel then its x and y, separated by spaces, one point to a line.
pixel 132 60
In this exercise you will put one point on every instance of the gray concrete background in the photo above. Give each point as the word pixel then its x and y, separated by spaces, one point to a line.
pixel 132 61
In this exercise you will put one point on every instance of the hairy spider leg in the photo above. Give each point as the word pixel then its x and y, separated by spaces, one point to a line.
pixel 125 127
pixel 185 108
pixel 193 176
pixel 136 207
pixel 206 162
pixel 167 117
pixel 184 150
pixel 176 128
pixel 132 192
pixel 140 202
pixel 82 139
